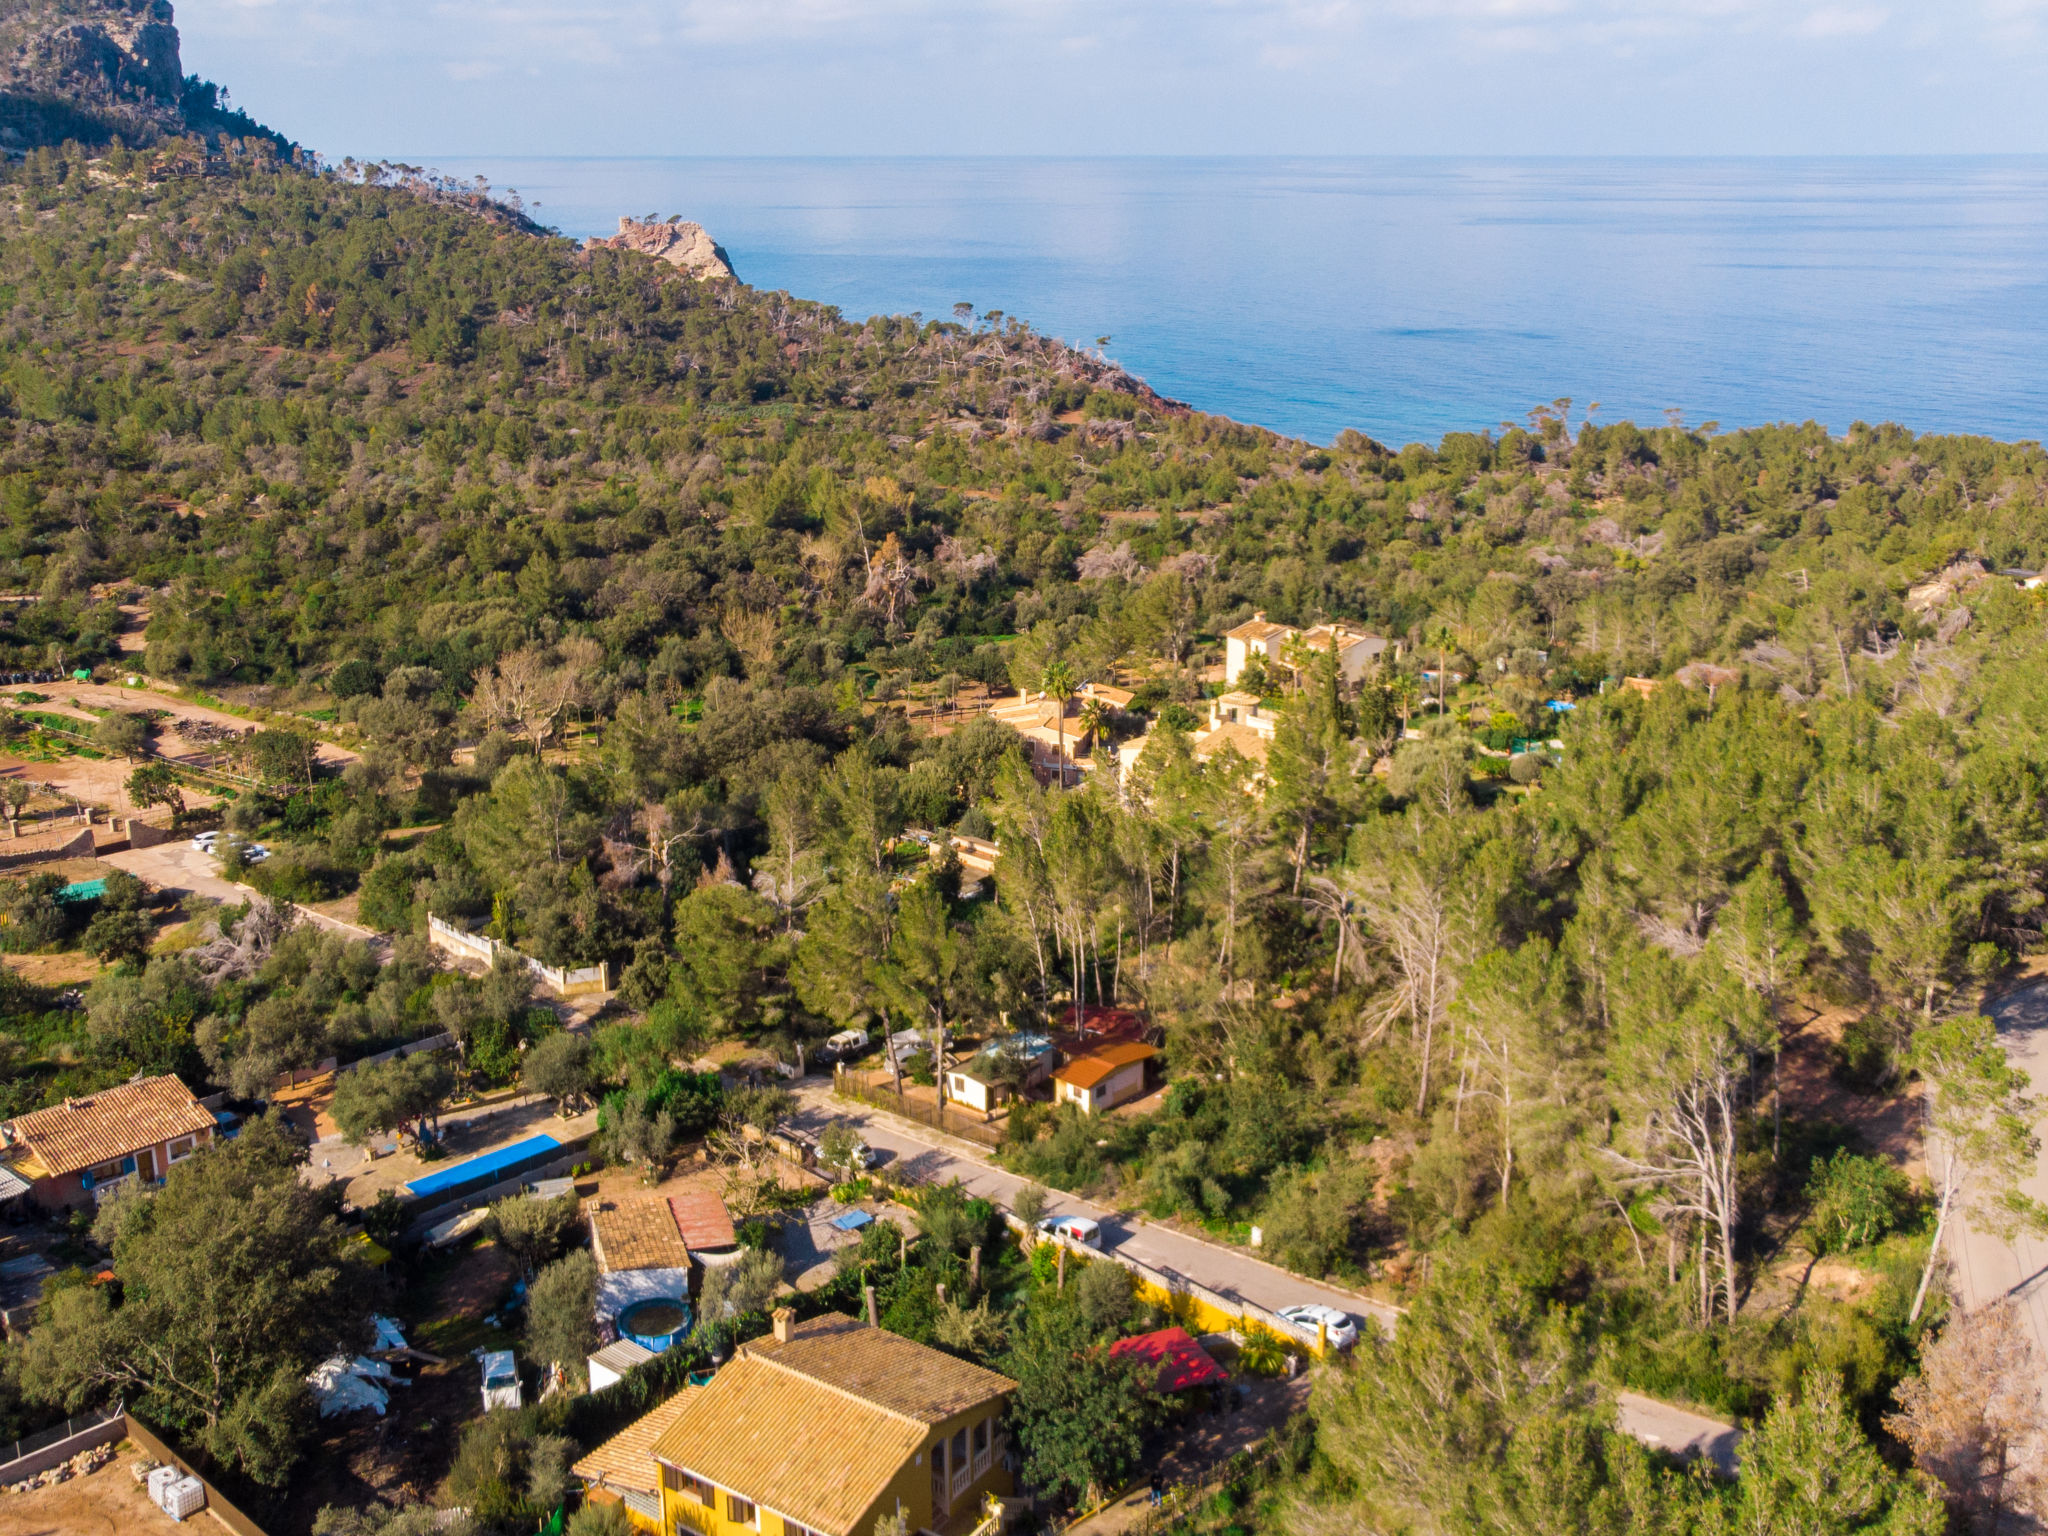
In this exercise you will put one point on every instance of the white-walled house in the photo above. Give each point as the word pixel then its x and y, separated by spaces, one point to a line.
pixel 1255 637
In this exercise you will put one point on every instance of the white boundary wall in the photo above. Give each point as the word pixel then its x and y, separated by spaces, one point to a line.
pixel 479 946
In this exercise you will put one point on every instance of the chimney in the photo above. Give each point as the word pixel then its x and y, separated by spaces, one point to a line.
pixel 1259 617
pixel 785 1325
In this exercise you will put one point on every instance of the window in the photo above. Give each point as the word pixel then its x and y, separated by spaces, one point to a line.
pixel 689 1486
pixel 791 1528
pixel 742 1511
pixel 177 1151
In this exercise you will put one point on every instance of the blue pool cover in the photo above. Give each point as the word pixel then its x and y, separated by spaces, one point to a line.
pixel 852 1221
pixel 487 1169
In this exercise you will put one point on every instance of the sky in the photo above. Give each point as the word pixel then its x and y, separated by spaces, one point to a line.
pixel 411 79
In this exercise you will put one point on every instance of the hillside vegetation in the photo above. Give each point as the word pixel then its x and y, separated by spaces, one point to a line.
pixel 668 560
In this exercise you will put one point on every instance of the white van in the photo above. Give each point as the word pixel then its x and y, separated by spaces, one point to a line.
pixel 847 1044
pixel 1084 1230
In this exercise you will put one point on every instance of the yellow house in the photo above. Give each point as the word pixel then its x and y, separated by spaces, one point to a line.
pixel 623 1470
pixel 825 1427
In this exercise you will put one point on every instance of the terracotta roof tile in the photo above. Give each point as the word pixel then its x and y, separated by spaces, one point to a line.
pixel 626 1461
pixel 1249 743
pixel 636 1232
pixel 817 1426
pixel 883 1368
pixel 801 1448
pixel 703 1220
pixel 110 1124
pixel 1256 629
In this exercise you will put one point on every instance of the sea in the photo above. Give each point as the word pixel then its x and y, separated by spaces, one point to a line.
pixel 1407 298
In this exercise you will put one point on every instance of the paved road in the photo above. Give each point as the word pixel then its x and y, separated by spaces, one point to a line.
pixel 1988 1267
pixel 1217 1268
pixel 1173 1253
pixel 1677 1430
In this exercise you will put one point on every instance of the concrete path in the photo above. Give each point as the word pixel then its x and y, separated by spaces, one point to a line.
pixel 1987 1267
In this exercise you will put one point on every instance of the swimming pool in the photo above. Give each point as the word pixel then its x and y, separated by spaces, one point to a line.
pixel 488 1169
pixel 656 1323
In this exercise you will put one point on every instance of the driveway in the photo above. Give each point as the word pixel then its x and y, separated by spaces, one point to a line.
pixel 183 868
pixel 1987 1267
pixel 1677 1430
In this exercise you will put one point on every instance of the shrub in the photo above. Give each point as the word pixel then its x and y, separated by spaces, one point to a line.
pixel 1263 1353
pixel 352 679
pixel 387 1218
pixel 1029 1205
pixel 506 1473
pixel 1103 1296
pixel 533 1231
pixel 732 1291
pixel 600 1520
pixel 1856 1201
pixel 561 1314
pixel 1864 1057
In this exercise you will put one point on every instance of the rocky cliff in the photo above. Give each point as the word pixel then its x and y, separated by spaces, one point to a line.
pixel 677 242
pixel 92 70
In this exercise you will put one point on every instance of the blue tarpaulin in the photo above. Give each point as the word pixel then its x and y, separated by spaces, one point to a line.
pixel 852 1221
pixel 83 890
pixel 488 1169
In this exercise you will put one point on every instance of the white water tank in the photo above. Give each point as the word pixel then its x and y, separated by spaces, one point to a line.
pixel 187 1496
pixel 161 1478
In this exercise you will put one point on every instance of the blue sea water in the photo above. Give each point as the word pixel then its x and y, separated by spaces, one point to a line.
pixel 1409 298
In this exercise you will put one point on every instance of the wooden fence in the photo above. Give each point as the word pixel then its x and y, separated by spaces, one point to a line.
pixel 880 1091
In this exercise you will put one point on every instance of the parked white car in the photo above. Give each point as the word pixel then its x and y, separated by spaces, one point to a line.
pixel 1084 1230
pixel 1343 1331
pixel 845 1045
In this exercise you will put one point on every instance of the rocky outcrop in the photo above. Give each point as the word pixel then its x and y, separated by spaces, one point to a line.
pixel 88 69
pixel 681 244
pixel 95 70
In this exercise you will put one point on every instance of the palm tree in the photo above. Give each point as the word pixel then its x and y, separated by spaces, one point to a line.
pixel 1095 722
pixel 1441 637
pixel 1405 695
pixel 1058 682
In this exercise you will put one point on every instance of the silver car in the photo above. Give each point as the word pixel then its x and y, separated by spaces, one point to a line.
pixel 1342 1330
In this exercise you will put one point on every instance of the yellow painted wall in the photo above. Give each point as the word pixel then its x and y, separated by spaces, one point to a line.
pixel 912 1485
pixel 1199 1316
